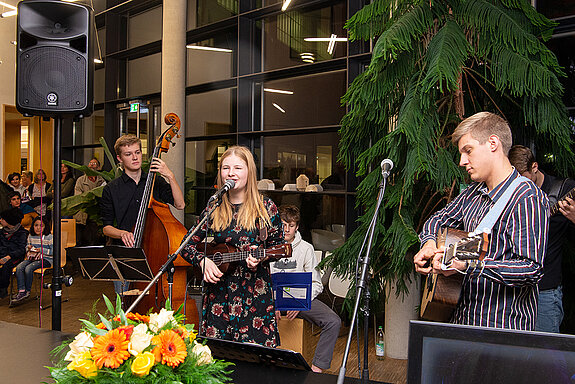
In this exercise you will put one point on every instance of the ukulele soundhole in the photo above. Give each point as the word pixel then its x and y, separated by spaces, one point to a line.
pixel 217 258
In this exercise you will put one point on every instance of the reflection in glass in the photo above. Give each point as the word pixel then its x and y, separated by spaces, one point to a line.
pixel 314 101
pixel 202 12
pixel 145 27
pixel 313 155
pixel 284 42
pixel 211 60
pixel 201 171
pixel 554 9
pixel 145 75
pixel 210 113
pixel 89 129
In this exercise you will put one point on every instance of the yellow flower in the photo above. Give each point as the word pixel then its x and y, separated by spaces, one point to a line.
pixel 193 336
pixel 203 353
pixel 143 363
pixel 170 348
pixel 84 364
pixel 111 349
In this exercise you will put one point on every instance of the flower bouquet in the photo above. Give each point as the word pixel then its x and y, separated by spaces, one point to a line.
pixel 134 348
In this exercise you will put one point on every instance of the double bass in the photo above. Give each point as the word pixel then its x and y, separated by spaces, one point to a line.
pixel 159 234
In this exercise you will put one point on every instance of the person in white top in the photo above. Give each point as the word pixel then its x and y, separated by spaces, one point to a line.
pixel 304 260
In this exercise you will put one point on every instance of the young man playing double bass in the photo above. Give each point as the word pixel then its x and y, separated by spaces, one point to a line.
pixel 501 291
pixel 121 198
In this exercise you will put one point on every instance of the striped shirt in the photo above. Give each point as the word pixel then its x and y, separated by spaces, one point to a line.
pixel 46 243
pixel 502 294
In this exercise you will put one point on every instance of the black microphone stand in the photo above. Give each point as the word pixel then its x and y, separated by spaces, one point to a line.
pixel 362 293
pixel 169 264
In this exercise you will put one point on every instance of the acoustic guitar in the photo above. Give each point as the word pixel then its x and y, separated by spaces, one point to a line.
pixel 226 256
pixel 555 208
pixel 441 293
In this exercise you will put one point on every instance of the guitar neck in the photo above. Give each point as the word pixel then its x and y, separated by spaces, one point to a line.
pixel 239 256
pixel 555 208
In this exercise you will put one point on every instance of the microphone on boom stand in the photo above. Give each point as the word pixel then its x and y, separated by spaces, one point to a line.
pixel 229 184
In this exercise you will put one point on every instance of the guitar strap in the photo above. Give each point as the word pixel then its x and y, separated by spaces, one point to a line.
pixel 493 215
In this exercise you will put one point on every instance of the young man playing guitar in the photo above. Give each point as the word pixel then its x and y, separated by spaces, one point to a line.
pixel 500 291
pixel 562 218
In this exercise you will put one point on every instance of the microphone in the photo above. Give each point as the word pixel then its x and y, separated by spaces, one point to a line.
pixel 229 184
pixel 386 166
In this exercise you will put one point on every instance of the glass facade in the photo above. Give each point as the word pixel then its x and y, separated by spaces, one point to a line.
pixel 255 76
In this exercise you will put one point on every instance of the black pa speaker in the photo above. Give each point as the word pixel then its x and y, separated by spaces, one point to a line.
pixel 54 59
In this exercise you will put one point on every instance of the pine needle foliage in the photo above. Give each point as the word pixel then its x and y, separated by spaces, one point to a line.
pixel 433 64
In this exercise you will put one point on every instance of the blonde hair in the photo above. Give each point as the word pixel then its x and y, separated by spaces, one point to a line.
pixel 125 141
pixel 253 206
pixel 481 126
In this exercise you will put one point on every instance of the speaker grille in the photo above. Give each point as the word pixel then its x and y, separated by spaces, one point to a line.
pixel 52 78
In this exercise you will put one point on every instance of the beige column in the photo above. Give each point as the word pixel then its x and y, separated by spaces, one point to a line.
pixel 398 311
pixel 174 83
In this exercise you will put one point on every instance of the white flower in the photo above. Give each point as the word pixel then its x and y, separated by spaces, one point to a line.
pixel 203 352
pixel 140 339
pixel 82 343
pixel 158 320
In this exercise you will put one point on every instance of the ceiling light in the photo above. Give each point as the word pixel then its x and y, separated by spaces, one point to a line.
pixel 307 57
pixel 202 48
pixel 14 42
pixel 7 5
pixel 285 5
pixel 278 91
pixel 98 61
pixel 279 108
pixel 9 13
pixel 325 39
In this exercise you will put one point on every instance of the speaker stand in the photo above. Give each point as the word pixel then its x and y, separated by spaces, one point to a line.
pixel 56 215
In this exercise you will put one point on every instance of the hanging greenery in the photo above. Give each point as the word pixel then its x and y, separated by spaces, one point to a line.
pixel 433 64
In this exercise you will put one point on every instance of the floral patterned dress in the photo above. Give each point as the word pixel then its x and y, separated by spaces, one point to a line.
pixel 240 307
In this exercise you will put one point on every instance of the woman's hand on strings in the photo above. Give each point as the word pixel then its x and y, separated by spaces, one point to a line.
pixel 212 273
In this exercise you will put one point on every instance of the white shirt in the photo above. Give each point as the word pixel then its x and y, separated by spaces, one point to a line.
pixel 302 260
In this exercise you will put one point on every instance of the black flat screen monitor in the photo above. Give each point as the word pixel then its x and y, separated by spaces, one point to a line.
pixel 447 354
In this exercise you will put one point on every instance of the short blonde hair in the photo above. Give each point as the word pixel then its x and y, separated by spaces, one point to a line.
pixel 481 126
pixel 126 140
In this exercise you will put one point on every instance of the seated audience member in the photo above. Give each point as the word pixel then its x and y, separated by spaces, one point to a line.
pixel 14 181
pixel 28 212
pixel 303 260
pixel 26 180
pixel 37 192
pixel 39 253
pixel 87 229
pixel 67 183
pixel 5 190
pixel 13 238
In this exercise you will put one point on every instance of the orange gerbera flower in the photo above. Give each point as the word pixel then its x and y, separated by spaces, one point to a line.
pixel 110 350
pixel 170 347
pixel 138 317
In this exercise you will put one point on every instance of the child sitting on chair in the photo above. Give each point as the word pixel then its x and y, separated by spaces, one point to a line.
pixel 39 253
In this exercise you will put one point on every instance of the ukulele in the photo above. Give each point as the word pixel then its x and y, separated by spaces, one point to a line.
pixel 555 208
pixel 441 293
pixel 225 256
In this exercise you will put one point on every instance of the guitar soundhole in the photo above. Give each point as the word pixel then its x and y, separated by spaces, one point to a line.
pixel 217 258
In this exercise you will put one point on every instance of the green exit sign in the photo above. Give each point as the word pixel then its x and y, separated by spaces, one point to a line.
pixel 134 107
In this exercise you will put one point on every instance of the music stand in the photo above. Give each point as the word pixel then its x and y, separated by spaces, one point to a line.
pixel 113 263
pixel 255 353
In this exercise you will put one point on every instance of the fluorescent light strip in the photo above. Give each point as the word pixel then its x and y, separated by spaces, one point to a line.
pixel 8 5
pixel 279 108
pixel 325 39
pixel 285 5
pixel 202 48
pixel 278 91
pixel 9 13
pixel 331 44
